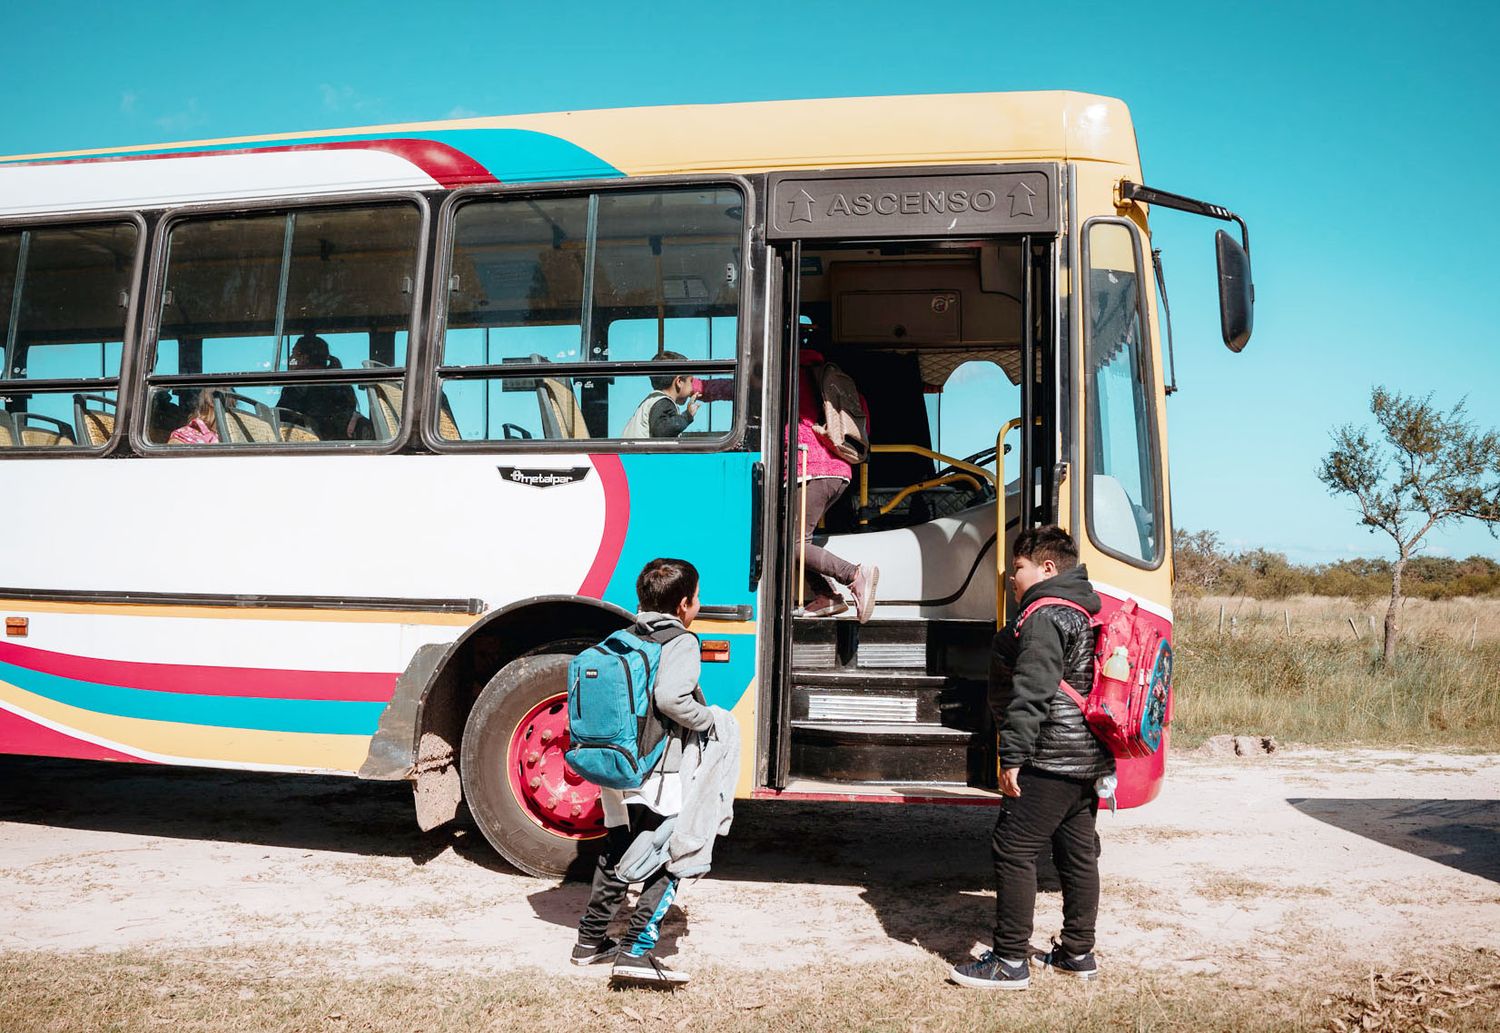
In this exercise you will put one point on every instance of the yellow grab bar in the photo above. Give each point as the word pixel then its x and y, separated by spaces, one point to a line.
pixel 912 489
pixel 1001 599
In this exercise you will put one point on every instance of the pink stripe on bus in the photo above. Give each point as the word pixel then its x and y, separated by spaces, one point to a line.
pixel 616 519
pixel 447 165
pixel 342 686
pixel 19 735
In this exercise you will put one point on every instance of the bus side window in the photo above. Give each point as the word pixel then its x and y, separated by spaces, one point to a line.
pixel 64 295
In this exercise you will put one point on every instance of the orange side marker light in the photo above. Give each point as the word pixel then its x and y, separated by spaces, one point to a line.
pixel 715 651
pixel 18 627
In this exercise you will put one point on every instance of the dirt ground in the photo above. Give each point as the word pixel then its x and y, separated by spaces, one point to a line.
pixel 1243 862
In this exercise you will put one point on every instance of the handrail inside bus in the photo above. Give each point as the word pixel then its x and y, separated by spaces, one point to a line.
pixel 1001 599
pixel 957 464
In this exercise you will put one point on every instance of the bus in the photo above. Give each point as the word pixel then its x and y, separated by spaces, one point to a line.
pixel 313 456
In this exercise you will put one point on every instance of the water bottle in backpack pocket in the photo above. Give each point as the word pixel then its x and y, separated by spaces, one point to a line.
pixel 616 734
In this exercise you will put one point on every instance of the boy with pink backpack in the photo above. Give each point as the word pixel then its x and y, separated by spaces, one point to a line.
pixel 1050 762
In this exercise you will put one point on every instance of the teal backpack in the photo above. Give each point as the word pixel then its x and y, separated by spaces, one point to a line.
pixel 616 734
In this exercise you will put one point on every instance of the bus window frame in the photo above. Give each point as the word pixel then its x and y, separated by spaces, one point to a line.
pixel 145 381
pixel 130 337
pixel 1090 401
pixel 732 439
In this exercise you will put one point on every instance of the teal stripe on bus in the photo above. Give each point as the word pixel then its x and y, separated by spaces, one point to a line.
pixel 331 717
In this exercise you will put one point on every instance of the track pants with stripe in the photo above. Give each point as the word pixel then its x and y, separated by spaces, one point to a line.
pixel 608 893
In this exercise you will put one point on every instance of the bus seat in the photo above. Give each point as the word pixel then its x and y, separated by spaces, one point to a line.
pixel 245 421
pixel 94 426
pixel 54 433
pixel 1114 519
pixel 447 425
pixel 7 435
pixel 385 409
pixel 558 403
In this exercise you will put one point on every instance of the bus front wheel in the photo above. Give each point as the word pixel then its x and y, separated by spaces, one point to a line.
pixel 532 807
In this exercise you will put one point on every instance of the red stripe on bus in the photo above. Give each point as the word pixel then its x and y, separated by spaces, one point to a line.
pixel 449 166
pixel 18 735
pixel 957 801
pixel 342 686
pixel 616 520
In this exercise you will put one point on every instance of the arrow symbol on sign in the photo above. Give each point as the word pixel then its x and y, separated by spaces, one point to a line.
pixel 1020 200
pixel 802 207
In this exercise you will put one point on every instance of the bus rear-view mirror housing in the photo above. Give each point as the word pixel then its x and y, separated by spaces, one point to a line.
pixel 1236 292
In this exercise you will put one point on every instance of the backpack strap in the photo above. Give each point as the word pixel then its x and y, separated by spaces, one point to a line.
pixel 1051 600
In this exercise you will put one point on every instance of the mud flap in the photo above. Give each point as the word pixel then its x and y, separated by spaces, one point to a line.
pixel 432 766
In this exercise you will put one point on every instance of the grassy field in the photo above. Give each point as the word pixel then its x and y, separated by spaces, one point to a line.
pixel 1307 670
pixel 41 993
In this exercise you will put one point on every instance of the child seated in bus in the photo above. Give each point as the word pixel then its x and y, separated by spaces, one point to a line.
pixel 668 593
pixel 658 415
pixel 1049 762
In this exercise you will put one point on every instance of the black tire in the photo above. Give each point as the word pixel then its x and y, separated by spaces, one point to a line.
pixel 511 694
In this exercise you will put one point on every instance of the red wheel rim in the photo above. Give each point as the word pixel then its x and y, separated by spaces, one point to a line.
pixel 550 792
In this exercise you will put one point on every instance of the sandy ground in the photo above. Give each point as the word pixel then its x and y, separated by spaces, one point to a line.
pixel 1241 863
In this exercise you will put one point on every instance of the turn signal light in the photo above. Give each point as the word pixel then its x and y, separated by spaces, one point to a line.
pixel 18 627
pixel 715 651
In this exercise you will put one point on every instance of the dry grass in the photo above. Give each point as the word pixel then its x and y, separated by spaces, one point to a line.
pixel 41 993
pixel 1321 684
pixel 1315 616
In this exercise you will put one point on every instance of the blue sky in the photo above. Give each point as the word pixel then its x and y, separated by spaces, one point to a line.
pixel 1356 139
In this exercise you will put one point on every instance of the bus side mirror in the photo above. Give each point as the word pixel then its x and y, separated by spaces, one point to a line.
pixel 1236 292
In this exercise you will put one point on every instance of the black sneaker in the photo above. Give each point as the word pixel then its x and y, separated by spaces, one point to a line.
pixel 594 953
pixel 990 972
pixel 1080 966
pixel 644 970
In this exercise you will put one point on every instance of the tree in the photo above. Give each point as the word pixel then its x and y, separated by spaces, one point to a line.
pixel 1432 468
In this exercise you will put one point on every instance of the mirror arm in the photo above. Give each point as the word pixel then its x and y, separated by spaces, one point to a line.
pixel 1163 199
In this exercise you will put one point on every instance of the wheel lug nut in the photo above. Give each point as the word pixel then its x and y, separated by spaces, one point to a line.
pixel 577 810
pixel 536 780
pixel 532 758
pixel 547 735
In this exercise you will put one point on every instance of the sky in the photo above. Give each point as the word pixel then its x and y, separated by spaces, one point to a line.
pixel 1356 139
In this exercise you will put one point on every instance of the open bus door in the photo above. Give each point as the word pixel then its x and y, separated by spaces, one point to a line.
pixel 898 706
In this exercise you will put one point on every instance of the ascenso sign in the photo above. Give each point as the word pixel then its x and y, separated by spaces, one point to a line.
pixel 1018 200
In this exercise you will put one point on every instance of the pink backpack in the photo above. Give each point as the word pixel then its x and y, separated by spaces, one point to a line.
pixel 1126 708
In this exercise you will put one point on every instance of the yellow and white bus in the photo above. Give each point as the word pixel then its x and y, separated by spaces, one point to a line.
pixel 312 446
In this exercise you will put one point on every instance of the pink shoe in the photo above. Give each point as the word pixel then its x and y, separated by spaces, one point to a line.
pixel 863 588
pixel 821 606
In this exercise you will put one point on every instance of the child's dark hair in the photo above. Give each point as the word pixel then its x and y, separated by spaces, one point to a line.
pixel 664 380
pixel 1048 542
pixel 664 583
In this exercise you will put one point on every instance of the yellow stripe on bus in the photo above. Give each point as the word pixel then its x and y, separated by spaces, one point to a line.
pixel 170 740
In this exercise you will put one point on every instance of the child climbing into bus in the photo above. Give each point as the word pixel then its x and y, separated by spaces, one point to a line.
pixel 668 593
pixel 1049 763
pixel 659 415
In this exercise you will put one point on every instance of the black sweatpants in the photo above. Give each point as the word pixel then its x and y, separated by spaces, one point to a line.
pixel 1059 810
pixel 608 893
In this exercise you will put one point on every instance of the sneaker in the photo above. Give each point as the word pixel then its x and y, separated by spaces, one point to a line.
pixel 822 606
pixel 863 589
pixel 594 953
pixel 644 970
pixel 990 972
pixel 1080 966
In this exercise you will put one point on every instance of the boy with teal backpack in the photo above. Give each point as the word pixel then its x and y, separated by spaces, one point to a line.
pixel 632 700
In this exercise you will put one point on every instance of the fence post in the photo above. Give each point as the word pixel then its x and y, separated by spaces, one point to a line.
pixel 1221 620
pixel 1288 615
pixel 1354 629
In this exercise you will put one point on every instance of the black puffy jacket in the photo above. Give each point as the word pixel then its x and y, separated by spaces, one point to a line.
pixel 1040 726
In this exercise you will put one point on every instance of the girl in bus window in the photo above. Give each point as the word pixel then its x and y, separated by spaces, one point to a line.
pixel 202 425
